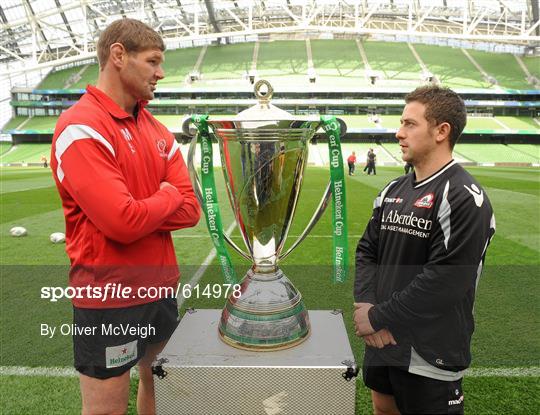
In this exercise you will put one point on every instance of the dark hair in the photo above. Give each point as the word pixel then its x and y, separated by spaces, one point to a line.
pixel 134 35
pixel 442 105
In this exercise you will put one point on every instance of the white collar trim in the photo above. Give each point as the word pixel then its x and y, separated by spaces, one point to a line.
pixel 423 182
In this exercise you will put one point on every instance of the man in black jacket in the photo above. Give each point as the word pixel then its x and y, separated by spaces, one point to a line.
pixel 418 265
pixel 372 157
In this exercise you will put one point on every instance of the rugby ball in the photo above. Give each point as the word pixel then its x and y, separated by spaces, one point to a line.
pixel 17 231
pixel 57 238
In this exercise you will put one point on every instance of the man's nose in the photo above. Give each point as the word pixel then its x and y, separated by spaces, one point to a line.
pixel 160 74
pixel 399 134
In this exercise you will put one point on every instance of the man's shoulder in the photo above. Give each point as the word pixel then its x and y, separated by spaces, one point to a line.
pixel 85 110
pixel 465 188
pixel 459 177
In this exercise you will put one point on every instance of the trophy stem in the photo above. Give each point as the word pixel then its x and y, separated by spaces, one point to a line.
pixel 268 315
pixel 265 271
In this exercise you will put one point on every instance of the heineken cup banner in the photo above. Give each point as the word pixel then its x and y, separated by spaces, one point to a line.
pixel 263 154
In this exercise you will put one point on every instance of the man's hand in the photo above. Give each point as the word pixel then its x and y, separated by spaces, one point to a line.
pixel 163 185
pixel 380 339
pixel 361 320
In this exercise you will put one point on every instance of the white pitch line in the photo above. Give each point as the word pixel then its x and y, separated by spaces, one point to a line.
pixel 49 372
pixel 27 188
pixel 503 125
pixel 202 269
pixel 510 372
pixel 54 372
pixel 68 372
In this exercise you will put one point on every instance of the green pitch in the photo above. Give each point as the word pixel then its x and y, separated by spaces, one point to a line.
pixel 507 312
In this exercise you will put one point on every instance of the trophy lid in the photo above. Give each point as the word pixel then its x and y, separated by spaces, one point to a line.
pixel 264 110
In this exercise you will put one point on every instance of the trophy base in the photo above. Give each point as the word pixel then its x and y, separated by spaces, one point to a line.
pixel 268 315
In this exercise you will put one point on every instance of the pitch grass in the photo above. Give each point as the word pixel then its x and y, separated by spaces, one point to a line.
pixel 507 312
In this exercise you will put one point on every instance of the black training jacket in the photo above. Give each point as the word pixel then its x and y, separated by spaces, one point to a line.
pixel 419 262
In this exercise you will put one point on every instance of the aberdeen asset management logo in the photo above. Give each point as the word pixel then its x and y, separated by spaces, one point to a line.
pixel 425 201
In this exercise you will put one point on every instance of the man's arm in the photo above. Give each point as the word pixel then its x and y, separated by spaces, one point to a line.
pixel 365 283
pixel 189 212
pixel 89 172
pixel 366 262
pixel 367 254
pixel 459 244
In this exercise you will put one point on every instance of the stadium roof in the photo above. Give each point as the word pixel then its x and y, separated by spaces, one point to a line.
pixel 42 31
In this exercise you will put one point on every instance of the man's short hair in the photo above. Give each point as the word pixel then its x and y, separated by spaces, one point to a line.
pixel 442 105
pixel 134 35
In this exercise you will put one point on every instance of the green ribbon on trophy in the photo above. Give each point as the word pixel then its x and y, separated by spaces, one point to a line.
pixel 209 194
pixel 339 212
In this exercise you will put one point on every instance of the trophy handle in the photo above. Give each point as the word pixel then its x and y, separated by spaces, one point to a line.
pixel 198 189
pixel 313 221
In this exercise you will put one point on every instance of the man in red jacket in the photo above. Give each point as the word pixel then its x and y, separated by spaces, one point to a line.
pixel 124 186
pixel 350 161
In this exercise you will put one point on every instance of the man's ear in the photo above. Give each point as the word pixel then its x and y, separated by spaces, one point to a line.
pixel 443 132
pixel 117 55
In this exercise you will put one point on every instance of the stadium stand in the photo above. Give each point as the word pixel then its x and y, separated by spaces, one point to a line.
pixel 177 66
pixel 512 76
pixel 89 76
pixel 341 67
pixel 394 61
pixel 530 149
pixel 494 153
pixel 482 123
pixel 58 78
pixel 451 67
pixel 533 65
pixel 231 62
pixel 337 60
pixel 13 123
pixel 283 63
pixel 4 147
pixel 519 123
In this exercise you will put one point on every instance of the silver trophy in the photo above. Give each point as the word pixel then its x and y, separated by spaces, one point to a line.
pixel 263 152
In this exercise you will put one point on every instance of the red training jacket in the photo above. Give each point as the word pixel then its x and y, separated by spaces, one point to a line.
pixel 108 167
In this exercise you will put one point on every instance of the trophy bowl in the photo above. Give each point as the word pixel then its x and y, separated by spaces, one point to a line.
pixel 263 154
